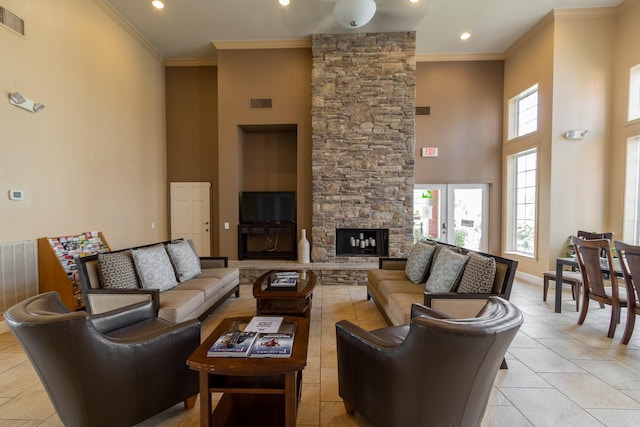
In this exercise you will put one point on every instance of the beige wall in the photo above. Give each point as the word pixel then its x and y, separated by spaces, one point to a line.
pixel 94 159
pixel 192 130
pixel 466 125
pixel 569 54
pixel 626 54
pixel 284 75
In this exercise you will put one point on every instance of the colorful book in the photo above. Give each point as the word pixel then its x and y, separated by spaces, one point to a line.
pixel 284 282
pixel 233 344
pixel 273 345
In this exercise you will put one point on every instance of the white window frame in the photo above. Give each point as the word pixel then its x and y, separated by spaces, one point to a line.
pixel 522 200
pixel 631 228
pixel 518 112
pixel 633 109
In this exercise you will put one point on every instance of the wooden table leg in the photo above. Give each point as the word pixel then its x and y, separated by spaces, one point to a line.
pixel 558 301
pixel 290 399
pixel 205 400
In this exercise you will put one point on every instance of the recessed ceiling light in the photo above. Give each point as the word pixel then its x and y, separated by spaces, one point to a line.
pixel 414 1
pixel 284 2
pixel 465 36
pixel 157 4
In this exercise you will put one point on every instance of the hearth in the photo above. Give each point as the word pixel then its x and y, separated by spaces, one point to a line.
pixel 362 242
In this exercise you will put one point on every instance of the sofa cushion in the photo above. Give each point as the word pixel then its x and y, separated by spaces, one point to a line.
pixel 184 259
pixel 387 288
pixel 446 272
pixel 399 307
pixel 117 271
pixel 418 262
pixel 208 285
pixel 177 305
pixel 154 268
pixel 478 274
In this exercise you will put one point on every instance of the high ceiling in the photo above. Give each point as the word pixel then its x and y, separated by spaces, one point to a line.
pixel 185 29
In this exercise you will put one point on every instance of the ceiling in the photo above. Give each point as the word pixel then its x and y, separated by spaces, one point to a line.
pixel 188 29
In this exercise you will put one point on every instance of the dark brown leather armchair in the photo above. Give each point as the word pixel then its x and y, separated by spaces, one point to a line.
pixel 437 371
pixel 110 370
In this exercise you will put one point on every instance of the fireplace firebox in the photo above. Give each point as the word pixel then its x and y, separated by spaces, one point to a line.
pixel 362 242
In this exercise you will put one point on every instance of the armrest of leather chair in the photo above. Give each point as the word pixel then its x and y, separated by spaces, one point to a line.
pixel 364 340
pixel 421 310
pixel 123 317
pixel 104 300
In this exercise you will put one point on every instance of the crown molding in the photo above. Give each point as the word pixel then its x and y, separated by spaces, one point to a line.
pixel 446 57
pixel 130 29
pixel 190 62
pixel 263 44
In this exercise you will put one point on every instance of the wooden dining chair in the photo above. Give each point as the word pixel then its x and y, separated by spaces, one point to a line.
pixel 629 256
pixel 595 288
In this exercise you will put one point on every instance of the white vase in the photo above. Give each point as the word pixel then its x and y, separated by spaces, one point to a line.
pixel 304 248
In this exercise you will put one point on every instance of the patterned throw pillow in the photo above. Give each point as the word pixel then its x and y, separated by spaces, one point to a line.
pixel 446 271
pixel 117 271
pixel 478 274
pixel 154 268
pixel 184 259
pixel 418 261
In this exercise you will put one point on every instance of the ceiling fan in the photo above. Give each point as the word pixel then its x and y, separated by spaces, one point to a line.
pixel 305 17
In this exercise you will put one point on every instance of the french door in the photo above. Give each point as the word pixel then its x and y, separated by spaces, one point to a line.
pixel 452 213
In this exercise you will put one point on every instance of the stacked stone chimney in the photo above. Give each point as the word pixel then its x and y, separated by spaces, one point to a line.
pixel 363 131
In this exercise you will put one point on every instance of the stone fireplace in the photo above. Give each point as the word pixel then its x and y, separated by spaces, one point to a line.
pixel 363 132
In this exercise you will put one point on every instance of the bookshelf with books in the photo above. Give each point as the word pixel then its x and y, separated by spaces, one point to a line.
pixel 56 264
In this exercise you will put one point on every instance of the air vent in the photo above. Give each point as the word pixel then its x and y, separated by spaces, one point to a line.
pixel 11 21
pixel 423 111
pixel 261 103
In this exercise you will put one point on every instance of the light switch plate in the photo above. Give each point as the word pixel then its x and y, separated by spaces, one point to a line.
pixel 16 195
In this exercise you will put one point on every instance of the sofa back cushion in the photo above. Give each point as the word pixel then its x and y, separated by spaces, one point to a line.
pixel 418 262
pixel 479 274
pixel 117 271
pixel 184 260
pixel 446 271
pixel 154 268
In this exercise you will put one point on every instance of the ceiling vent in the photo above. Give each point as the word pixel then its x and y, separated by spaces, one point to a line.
pixel 423 111
pixel 11 21
pixel 261 103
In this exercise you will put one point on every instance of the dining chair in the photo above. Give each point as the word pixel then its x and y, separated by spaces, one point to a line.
pixel 629 256
pixel 593 278
pixel 573 278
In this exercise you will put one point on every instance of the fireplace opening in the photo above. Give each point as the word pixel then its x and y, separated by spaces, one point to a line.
pixel 362 242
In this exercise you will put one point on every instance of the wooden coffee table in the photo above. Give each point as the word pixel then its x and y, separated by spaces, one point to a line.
pixel 294 301
pixel 256 391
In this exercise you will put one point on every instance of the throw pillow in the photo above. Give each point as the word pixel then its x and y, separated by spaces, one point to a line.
pixel 446 271
pixel 184 260
pixel 418 261
pixel 154 268
pixel 478 274
pixel 117 271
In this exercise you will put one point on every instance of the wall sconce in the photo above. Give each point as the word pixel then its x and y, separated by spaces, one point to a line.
pixel 15 98
pixel 575 134
pixel 354 13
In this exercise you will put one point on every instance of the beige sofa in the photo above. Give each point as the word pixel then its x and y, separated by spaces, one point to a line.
pixel 393 292
pixel 193 298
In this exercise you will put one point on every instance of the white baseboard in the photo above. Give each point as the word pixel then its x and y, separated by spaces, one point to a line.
pixel 529 278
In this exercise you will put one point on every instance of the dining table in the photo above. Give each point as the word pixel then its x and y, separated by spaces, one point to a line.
pixel 572 262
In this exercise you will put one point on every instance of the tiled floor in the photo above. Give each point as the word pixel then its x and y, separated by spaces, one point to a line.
pixel 560 373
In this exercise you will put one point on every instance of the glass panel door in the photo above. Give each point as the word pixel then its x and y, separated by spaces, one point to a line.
pixel 452 213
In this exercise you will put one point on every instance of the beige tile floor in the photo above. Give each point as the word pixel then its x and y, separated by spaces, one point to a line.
pixel 560 373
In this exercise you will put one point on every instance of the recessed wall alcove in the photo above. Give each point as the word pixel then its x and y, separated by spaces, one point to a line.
pixel 268 156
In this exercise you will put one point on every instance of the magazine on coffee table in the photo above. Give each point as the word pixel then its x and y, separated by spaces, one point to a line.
pixel 233 344
pixel 273 345
pixel 270 324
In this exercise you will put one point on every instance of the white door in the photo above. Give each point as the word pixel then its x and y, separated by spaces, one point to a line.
pixel 190 214
pixel 452 213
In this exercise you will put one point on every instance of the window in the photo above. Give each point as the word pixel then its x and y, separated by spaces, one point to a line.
pixel 632 191
pixel 634 93
pixel 523 113
pixel 524 167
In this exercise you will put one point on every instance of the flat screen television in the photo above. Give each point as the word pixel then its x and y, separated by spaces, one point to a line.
pixel 267 206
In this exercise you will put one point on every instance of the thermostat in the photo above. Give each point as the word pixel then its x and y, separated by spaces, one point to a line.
pixel 16 195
